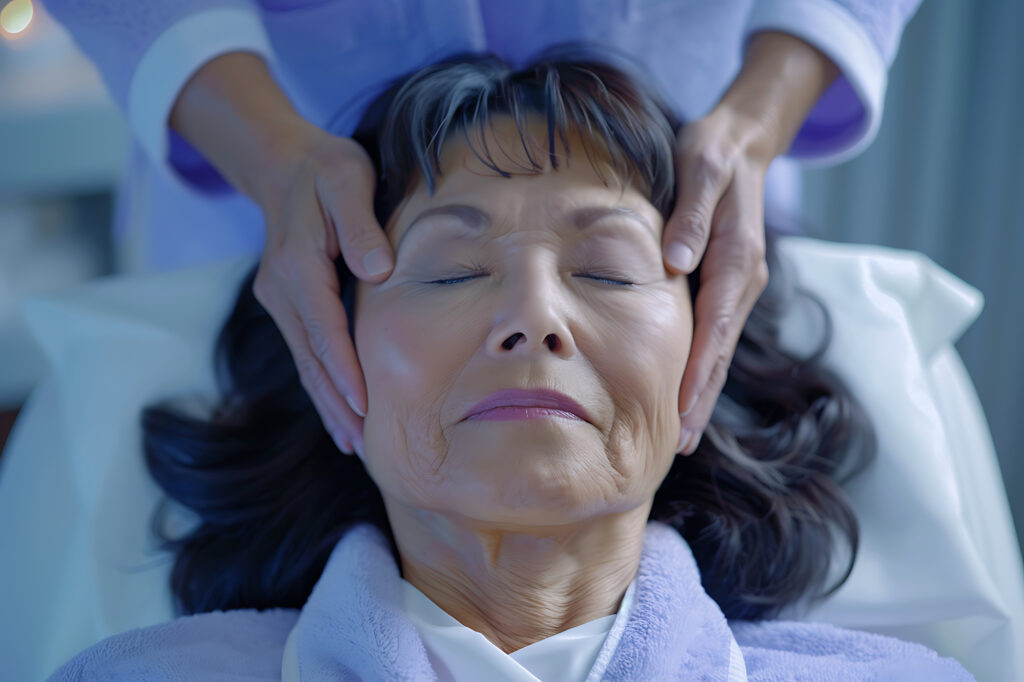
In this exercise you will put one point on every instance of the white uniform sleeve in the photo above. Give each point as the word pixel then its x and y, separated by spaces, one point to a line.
pixel 169 62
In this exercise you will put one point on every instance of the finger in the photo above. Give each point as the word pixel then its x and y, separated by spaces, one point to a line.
pixel 323 318
pixel 702 179
pixel 347 201
pixel 733 277
pixel 696 418
pixel 719 318
pixel 344 426
pixel 305 284
pixel 691 427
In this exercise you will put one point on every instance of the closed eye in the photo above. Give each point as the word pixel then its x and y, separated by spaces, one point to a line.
pixel 454 280
pixel 599 278
pixel 606 279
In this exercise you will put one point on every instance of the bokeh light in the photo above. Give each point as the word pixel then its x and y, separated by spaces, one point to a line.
pixel 16 16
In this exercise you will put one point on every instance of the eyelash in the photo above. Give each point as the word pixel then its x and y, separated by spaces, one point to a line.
pixel 600 277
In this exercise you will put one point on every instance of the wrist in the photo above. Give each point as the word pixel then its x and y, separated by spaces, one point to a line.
pixel 781 79
pixel 236 116
pixel 280 148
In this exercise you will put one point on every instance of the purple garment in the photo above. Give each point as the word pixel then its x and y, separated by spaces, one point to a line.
pixel 353 627
pixel 115 34
pixel 331 56
pixel 883 21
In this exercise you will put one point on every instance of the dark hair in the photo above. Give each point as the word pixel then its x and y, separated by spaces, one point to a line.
pixel 757 502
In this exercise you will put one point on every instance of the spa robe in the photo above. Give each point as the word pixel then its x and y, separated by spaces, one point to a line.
pixel 331 57
pixel 356 626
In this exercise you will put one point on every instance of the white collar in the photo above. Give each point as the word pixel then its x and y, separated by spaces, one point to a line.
pixel 460 653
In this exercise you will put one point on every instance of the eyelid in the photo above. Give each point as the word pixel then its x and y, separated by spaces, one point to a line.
pixel 460 279
pixel 597 276
pixel 471 270
pixel 606 277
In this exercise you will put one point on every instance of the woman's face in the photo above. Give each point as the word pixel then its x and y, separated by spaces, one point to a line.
pixel 515 283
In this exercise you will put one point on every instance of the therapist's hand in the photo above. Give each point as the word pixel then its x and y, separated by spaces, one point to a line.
pixel 318 204
pixel 721 161
pixel 316 191
pixel 720 208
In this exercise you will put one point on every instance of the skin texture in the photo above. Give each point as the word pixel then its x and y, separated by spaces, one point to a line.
pixel 316 192
pixel 522 529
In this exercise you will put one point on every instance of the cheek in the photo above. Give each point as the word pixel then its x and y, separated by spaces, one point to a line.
pixel 640 352
pixel 409 363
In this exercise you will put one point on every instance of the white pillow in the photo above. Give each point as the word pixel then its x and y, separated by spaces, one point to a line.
pixel 938 564
pixel 938 561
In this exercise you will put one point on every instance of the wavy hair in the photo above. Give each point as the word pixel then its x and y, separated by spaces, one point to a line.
pixel 759 502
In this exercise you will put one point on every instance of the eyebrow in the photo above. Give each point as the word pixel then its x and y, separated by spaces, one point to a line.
pixel 479 219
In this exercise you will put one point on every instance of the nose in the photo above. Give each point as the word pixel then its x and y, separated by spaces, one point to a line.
pixel 531 317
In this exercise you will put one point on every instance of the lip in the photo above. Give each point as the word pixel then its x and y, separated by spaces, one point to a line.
pixel 514 397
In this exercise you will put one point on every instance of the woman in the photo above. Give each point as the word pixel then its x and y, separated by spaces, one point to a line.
pixel 228 102
pixel 517 509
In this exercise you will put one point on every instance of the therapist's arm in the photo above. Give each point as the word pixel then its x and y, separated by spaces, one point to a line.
pixel 721 162
pixel 233 112
pixel 316 191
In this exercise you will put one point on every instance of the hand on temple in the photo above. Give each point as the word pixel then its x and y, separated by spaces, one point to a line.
pixel 721 161
pixel 316 191
pixel 720 208
pixel 322 206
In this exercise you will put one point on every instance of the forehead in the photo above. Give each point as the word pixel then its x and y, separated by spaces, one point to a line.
pixel 525 177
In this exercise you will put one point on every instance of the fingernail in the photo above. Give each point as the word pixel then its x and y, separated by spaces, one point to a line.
pixel 341 441
pixel 679 256
pixel 352 403
pixel 377 261
pixel 684 439
pixel 689 408
pixel 691 446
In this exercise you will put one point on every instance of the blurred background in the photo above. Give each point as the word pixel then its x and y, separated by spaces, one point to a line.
pixel 945 177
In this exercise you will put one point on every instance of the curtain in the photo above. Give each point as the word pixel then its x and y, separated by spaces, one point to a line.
pixel 945 176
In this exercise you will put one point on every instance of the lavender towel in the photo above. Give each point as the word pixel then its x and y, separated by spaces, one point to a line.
pixel 353 628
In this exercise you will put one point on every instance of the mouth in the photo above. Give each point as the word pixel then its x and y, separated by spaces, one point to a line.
pixel 509 404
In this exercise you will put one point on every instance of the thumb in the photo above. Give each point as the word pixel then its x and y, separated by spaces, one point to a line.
pixel 347 199
pixel 363 244
pixel 700 187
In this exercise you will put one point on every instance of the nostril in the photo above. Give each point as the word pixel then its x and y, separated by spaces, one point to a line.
pixel 510 342
pixel 553 342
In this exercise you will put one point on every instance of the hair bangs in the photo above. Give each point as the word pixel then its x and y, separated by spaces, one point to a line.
pixel 618 120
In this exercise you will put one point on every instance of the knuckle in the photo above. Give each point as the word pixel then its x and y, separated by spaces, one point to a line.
pixel 692 222
pixel 709 164
pixel 259 290
pixel 319 339
pixel 287 261
pixel 358 237
pixel 310 374
pixel 274 266
pixel 262 287
pixel 719 374
pixel 760 273
pixel 758 252
pixel 345 174
pixel 720 328
pixel 272 277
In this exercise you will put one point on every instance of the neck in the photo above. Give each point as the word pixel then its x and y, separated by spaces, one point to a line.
pixel 517 585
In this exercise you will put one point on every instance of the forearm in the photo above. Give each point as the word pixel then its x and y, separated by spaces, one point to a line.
pixel 237 117
pixel 781 79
